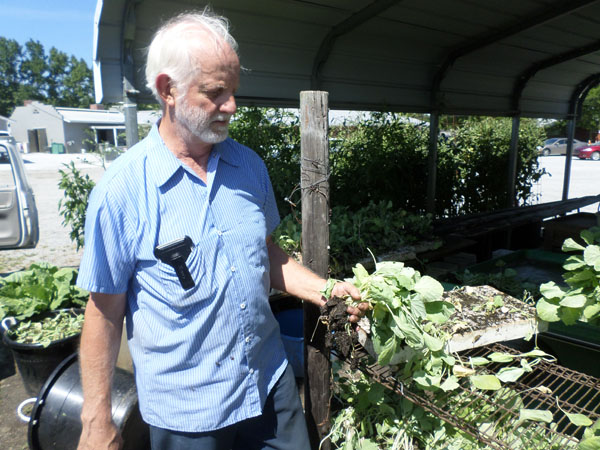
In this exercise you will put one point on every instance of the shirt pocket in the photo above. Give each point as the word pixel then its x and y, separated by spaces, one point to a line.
pixel 256 244
pixel 175 294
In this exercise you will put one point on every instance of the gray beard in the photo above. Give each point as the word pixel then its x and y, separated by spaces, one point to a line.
pixel 195 122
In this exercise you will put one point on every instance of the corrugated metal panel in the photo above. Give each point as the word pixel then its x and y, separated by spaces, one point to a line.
pixel 388 61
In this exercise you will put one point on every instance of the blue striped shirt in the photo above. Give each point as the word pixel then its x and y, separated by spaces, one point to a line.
pixel 207 357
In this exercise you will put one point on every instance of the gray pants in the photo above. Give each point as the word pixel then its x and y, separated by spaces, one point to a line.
pixel 280 427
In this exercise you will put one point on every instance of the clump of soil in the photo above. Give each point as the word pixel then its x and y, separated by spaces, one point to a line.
pixel 341 335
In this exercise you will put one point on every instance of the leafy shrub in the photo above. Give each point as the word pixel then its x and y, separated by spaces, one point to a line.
pixel 77 189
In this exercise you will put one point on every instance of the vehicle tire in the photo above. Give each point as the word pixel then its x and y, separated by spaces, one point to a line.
pixel 546 152
pixel 595 156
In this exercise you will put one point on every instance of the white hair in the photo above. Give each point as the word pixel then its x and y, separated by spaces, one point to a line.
pixel 175 44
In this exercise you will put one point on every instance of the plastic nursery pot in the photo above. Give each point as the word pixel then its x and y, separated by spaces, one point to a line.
pixel 35 362
pixel 54 423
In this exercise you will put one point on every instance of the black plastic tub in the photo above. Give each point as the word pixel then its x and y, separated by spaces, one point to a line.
pixel 36 362
pixel 55 424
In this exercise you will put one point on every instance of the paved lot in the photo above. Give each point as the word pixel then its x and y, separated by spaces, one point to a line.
pixel 585 179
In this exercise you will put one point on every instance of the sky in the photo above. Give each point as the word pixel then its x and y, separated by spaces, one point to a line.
pixel 67 25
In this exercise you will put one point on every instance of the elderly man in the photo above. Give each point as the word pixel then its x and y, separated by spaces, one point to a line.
pixel 177 240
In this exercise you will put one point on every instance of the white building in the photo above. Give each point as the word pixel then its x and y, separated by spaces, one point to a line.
pixel 41 127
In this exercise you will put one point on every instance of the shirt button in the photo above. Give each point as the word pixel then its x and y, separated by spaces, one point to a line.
pixel 233 268
pixel 219 232
pixel 247 339
pixel 251 371
pixel 243 306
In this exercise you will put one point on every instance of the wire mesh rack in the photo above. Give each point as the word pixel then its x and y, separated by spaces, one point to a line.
pixel 494 417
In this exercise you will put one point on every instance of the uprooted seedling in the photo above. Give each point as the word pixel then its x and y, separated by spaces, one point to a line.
pixel 341 336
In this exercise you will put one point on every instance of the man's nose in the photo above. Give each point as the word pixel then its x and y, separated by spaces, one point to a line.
pixel 229 106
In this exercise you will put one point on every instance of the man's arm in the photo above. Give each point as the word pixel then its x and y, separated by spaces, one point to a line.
pixel 99 348
pixel 289 276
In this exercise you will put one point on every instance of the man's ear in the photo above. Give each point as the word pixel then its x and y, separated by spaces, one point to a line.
pixel 166 89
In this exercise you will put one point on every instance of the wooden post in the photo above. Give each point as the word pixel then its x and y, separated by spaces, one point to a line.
pixel 314 172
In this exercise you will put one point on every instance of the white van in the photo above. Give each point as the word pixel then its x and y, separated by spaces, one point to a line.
pixel 19 226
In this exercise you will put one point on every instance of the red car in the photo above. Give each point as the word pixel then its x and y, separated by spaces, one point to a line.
pixel 591 151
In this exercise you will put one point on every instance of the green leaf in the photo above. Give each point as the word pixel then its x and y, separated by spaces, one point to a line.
pixel 570 316
pixel 547 311
pixel 573 263
pixel 592 443
pixel 591 256
pixel 432 343
pixel 389 349
pixel 573 301
pixel 439 312
pixel 510 374
pixel 501 357
pixel 551 290
pixel 431 289
pixel 535 415
pixel 450 384
pixel 478 361
pixel 486 382
pixel 570 245
pixel 579 420
pixel 591 311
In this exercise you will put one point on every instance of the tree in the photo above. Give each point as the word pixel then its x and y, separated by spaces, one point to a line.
pixel 28 73
pixel 590 113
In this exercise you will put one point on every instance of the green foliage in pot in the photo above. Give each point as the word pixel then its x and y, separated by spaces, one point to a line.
pixel 50 329
pixel 41 288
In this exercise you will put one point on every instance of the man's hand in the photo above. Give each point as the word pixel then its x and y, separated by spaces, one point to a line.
pixel 106 437
pixel 343 289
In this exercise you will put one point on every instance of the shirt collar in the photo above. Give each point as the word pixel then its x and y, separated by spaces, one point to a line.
pixel 163 164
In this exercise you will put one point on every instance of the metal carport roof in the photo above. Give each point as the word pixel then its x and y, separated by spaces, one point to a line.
pixel 447 56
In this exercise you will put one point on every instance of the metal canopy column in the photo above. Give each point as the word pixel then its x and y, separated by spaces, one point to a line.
pixel 432 162
pixel 575 105
pixel 129 92
pixel 513 155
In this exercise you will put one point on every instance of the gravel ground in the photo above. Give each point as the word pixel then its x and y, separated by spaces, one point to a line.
pixel 54 245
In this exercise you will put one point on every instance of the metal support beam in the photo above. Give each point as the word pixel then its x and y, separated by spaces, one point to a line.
pixel 130 112
pixel 567 175
pixel 344 27
pixel 529 73
pixel 513 156
pixel 432 158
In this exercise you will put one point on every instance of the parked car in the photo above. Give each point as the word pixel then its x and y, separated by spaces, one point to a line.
pixel 558 146
pixel 588 152
pixel 19 226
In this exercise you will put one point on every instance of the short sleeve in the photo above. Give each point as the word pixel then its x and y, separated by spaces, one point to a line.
pixel 108 263
pixel 271 212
